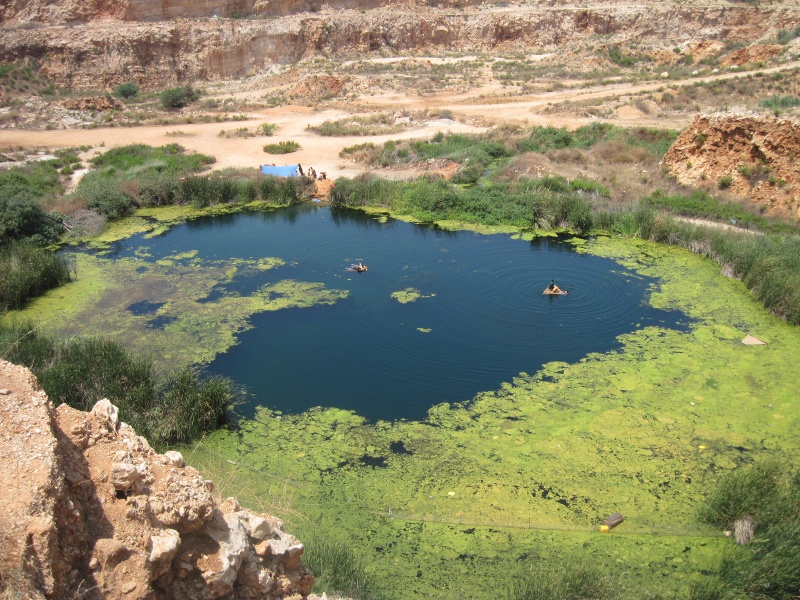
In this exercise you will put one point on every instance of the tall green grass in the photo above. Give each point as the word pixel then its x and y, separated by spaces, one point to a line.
pixel 338 569
pixel 165 408
pixel 543 139
pixel 27 271
pixel 780 102
pixel 170 158
pixel 769 565
pixel 544 203
pixel 570 581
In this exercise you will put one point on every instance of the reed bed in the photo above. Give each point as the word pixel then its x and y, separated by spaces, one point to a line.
pixel 167 409
pixel 27 271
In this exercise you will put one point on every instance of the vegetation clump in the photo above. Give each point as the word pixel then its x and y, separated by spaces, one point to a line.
pixel 27 271
pixel 573 580
pixel 765 498
pixel 286 147
pixel 178 97
pixel 379 124
pixel 167 409
pixel 126 90
pixel 339 570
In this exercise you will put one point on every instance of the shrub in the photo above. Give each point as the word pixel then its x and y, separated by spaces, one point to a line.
pixel 468 174
pixel 178 97
pixel 158 189
pixel 21 217
pixel 126 90
pixel 286 147
pixel 267 128
pixel 725 182
pixel 615 55
pixel 104 195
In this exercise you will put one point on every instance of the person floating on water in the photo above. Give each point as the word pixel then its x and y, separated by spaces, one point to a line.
pixel 360 267
pixel 553 289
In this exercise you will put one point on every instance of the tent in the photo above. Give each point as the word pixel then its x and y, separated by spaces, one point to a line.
pixel 284 171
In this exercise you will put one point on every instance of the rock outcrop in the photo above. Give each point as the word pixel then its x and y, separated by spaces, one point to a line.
pixel 91 511
pixel 157 44
pixel 752 155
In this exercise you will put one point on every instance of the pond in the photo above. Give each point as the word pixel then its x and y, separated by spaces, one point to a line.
pixel 439 316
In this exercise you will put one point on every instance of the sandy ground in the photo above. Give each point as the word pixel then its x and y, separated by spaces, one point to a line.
pixel 322 153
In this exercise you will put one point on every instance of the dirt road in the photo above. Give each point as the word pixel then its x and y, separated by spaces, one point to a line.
pixel 323 152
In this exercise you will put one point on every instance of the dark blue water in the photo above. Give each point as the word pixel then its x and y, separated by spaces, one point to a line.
pixel 487 316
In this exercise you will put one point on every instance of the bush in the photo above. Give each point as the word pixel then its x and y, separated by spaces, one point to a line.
pixel 105 196
pixel 27 271
pixel 158 189
pixel 267 128
pixel 282 147
pixel 615 55
pixel 178 97
pixel 126 90
pixel 725 182
pixel 468 174
pixel 21 217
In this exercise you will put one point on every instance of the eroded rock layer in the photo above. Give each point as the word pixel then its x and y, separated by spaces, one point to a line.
pixel 750 154
pixel 109 42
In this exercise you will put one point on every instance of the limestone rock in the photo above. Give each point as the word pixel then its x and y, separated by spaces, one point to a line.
pixel 87 500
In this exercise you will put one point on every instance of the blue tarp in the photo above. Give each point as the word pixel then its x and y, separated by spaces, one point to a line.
pixel 286 171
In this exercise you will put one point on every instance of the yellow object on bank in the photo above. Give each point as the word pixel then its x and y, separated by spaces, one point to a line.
pixel 604 528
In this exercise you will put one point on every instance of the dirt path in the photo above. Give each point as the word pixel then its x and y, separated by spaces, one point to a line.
pixel 318 151
pixel 323 152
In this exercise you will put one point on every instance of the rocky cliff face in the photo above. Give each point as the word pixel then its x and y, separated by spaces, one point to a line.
pixel 98 44
pixel 91 511
pixel 754 156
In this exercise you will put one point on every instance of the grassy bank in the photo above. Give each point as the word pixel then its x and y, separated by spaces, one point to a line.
pixel 131 177
pixel 167 409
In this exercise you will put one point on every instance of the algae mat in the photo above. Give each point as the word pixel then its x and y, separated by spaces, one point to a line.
pixel 176 309
pixel 455 505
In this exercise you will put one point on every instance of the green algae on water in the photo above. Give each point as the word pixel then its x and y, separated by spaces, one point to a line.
pixel 523 474
pixel 184 323
pixel 410 295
